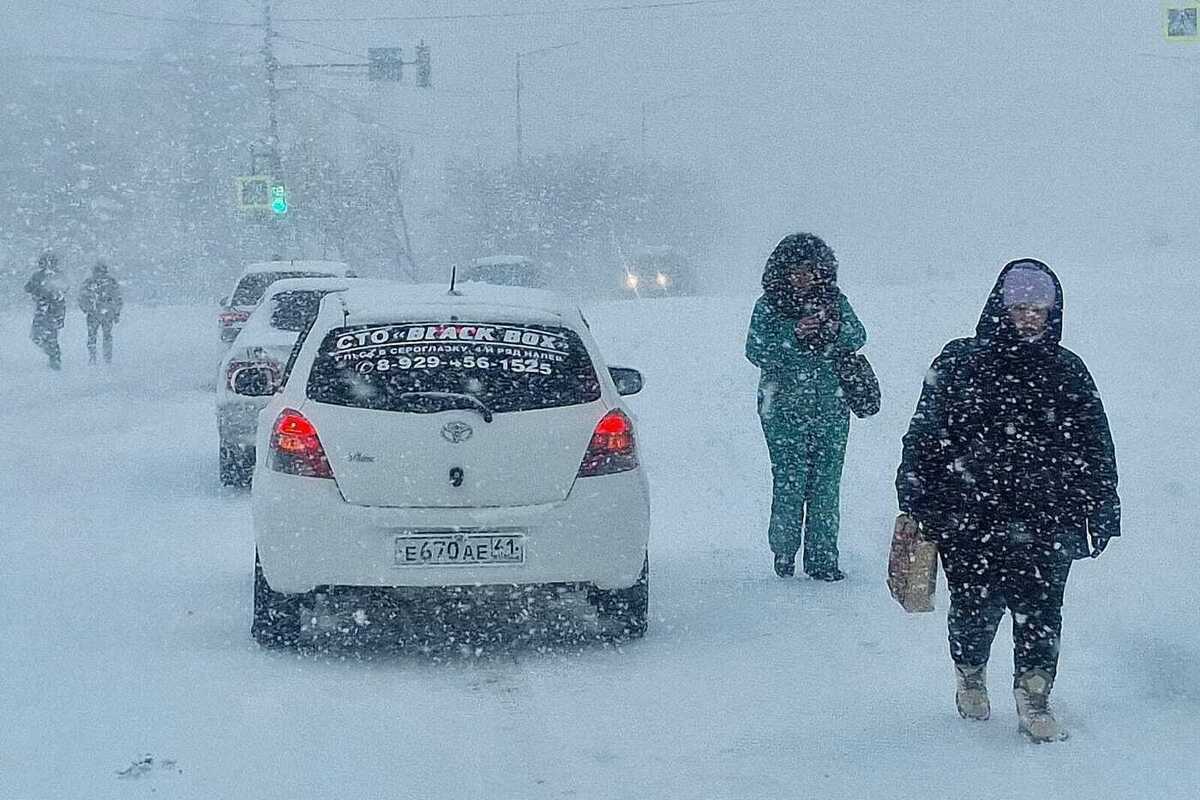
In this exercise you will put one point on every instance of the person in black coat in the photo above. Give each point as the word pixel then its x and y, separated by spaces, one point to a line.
pixel 100 301
pixel 49 307
pixel 1009 466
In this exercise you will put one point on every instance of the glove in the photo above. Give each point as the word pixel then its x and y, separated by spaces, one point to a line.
pixel 807 328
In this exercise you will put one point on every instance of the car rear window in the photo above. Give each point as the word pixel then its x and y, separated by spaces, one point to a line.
pixel 430 366
pixel 251 288
pixel 505 274
pixel 294 310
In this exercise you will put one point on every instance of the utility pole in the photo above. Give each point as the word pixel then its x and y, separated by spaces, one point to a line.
pixel 519 56
pixel 272 67
pixel 643 138
pixel 519 158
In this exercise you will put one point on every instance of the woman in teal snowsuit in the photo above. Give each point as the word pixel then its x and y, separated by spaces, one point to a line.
pixel 800 325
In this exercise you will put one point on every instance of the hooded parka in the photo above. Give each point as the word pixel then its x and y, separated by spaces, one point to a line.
pixel 1011 429
pixel 804 417
pixel 1009 465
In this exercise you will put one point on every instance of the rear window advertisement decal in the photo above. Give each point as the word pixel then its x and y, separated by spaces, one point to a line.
pixel 459 345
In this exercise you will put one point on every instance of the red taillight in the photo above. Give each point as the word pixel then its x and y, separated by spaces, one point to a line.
pixel 295 448
pixel 612 448
pixel 231 317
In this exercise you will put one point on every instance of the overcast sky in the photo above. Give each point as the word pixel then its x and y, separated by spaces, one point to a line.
pixel 906 134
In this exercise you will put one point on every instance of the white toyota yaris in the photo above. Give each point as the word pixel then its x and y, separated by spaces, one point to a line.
pixel 434 439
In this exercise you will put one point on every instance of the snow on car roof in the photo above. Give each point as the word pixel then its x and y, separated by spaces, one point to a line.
pixel 384 301
pixel 260 318
pixel 328 283
pixel 298 265
pixel 496 261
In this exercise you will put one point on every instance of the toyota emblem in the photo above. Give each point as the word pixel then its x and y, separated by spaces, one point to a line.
pixel 457 432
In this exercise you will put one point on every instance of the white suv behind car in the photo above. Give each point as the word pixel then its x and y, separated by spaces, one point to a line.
pixel 265 341
pixel 434 439
pixel 253 282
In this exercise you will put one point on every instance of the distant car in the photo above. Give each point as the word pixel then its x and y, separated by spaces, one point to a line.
pixel 432 440
pixel 504 271
pixel 249 289
pixel 265 343
pixel 658 271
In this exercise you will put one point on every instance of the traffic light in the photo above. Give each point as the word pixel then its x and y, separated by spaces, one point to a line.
pixel 259 193
pixel 384 64
pixel 279 203
pixel 424 66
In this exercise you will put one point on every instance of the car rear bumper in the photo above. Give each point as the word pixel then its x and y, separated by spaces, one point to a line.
pixel 308 536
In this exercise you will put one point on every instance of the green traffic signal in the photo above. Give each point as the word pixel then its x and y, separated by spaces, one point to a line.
pixel 279 203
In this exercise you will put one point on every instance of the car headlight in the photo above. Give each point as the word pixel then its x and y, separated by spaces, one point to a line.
pixel 631 281
pixel 661 280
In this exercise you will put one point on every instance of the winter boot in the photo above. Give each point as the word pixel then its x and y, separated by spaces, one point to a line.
pixel 971 696
pixel 828 575
pixel 1036 720
pixel 785 566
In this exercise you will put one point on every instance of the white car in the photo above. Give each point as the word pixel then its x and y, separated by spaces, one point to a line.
pixel 658 272
pixel 265 341
pixel 504 271
pixel 253 283
pixel 434 439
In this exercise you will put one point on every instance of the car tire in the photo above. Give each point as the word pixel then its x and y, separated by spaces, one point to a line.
pixel 276 615
pixel 625 613
pixel 236 465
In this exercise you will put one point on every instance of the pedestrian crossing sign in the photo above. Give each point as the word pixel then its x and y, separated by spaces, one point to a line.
pixel 1181 22
pixel 254 192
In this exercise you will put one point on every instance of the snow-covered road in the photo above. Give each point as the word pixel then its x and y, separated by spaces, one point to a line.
pixel 125 581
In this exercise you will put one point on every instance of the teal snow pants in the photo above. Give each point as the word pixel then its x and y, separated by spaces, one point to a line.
pixel 807 452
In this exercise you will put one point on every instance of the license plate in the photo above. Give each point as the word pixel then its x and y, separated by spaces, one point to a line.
pixel 460 549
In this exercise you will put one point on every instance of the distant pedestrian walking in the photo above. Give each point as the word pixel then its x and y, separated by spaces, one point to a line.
pixel 100 300
pixel 801 328
pixel 49 309
pixel 1009 467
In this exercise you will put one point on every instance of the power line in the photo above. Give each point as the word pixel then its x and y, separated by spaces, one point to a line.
pixel 520 14
pixel 287 37
pixel 107 61
pixel 153 18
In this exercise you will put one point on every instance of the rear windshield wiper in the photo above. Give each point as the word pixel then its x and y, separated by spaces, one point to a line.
pixel 455 399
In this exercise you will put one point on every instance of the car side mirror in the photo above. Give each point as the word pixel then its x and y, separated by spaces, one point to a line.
pixel 628 381
pixel 256 381
pixel 225 300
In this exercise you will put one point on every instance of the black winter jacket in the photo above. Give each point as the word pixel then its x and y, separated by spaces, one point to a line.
pixel 1009 430
pixel 50 301
pixel 101 297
